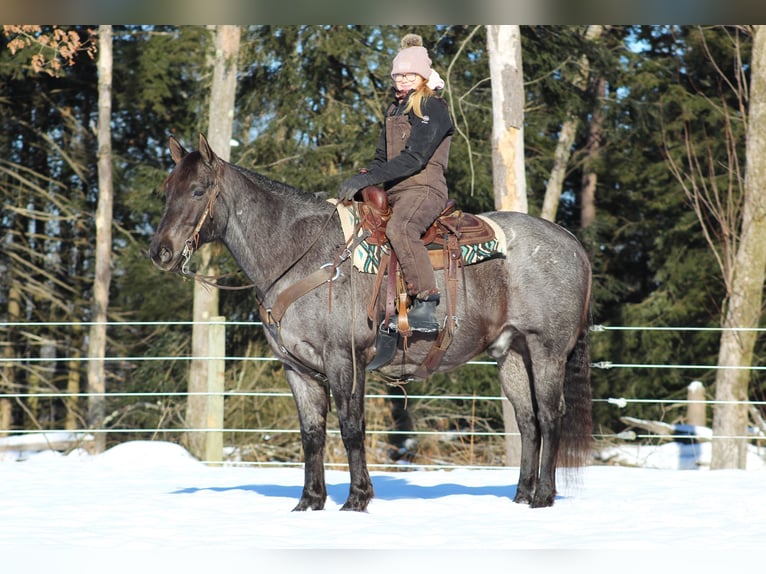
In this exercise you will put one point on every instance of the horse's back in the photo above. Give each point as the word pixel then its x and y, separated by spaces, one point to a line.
pixel 540 250
pixel 524 230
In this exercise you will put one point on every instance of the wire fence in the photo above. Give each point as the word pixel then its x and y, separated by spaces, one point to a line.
pixel 82 433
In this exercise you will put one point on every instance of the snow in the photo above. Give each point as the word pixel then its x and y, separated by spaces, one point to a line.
pixel 151 507
pixel 675 455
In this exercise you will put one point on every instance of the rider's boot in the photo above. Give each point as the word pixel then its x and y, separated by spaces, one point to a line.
pixel 422 315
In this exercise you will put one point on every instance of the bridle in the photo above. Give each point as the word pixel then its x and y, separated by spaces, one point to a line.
pixel 192 243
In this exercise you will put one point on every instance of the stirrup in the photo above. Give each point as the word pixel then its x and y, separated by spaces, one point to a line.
pixel 385 348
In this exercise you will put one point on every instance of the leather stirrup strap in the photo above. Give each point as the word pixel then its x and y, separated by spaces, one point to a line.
pixel 431 362
pixel 445 336
pixel 371 314
pixel 452 261
pixel 393 263
pixel 402 322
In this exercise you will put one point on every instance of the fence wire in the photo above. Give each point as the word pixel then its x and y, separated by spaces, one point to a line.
pixel 618 402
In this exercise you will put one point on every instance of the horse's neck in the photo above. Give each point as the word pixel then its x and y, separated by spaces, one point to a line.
pixel 269 229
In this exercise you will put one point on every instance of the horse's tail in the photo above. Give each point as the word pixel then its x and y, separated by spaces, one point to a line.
pixel 577 425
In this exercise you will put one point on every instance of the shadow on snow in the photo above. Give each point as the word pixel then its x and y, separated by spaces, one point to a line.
pixel 386 488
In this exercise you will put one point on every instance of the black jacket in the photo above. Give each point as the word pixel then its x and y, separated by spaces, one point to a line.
pixel 426 135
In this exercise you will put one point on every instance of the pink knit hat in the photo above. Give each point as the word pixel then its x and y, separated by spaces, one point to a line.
pixel 412 57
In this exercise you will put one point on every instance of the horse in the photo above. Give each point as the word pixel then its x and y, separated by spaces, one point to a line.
pixel 529 310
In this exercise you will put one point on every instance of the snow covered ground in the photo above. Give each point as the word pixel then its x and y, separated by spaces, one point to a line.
pixel 151 507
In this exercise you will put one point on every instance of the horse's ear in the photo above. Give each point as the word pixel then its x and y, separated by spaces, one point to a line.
pixel 207 152
pixel 177 151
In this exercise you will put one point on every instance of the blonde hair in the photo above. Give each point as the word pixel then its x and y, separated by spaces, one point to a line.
pixel 415 103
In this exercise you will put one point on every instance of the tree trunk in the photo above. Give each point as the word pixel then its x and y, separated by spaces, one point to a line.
pixel 206 299
pixel 508 175
pixel 561 157
pixel 744 304
pixel 563 152
pixel 103 273
pixel 8 379
pixel 71 420
pixel 589 174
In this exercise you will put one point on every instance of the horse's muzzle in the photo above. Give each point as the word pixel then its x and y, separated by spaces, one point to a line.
pixel 162 256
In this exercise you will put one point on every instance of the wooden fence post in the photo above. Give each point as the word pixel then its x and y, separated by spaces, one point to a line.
pixel 5 417
pixel 695 411
pixel 215 387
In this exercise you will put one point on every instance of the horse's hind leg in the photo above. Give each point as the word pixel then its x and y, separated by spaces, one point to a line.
pixel 311 399
pixel 548 383
pixel 516 386
pixel 532 379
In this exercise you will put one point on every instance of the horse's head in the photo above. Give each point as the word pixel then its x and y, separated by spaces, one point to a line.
pixel 191 191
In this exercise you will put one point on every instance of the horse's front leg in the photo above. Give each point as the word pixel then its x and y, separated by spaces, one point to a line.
pixel 312 400
pixel 349 400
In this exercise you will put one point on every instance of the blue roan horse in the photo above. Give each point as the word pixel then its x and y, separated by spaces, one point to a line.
pixel 529 310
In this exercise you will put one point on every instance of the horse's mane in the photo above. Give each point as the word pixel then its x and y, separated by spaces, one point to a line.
pixel 278 187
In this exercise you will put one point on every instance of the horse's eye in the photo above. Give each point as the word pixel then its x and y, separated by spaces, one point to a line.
pixel 198 192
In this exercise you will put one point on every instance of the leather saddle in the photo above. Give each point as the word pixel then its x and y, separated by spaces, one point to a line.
pixel 467 228
pixel 444 240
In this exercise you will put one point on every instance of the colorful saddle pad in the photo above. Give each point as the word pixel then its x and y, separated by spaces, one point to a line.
pixel 367 256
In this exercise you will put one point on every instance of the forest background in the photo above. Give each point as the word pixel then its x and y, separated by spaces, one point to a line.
pixel 308 106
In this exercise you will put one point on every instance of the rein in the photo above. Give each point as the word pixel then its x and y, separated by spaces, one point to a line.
pixel 328 272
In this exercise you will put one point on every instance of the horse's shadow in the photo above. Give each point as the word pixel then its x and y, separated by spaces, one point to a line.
pixel 386 488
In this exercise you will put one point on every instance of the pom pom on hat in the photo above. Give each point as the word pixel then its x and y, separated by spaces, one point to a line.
pixel 410 40
pixel 412 57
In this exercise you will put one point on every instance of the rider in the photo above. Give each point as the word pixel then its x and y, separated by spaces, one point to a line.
pixel 410 161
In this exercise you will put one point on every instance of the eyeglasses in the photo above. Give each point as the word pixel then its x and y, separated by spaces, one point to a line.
pixel 410 77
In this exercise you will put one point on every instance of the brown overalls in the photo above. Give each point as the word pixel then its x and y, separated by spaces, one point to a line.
pixel 416 202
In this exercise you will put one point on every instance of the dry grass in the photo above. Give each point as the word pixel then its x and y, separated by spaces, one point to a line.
pixel 447 425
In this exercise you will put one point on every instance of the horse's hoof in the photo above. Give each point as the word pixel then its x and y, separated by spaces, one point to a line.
pixel 308 504
pixel 542 501
pixel 356 504
pixel 353 508
pixel 522 498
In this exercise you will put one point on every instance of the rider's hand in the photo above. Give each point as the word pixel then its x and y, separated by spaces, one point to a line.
pixel 348 188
